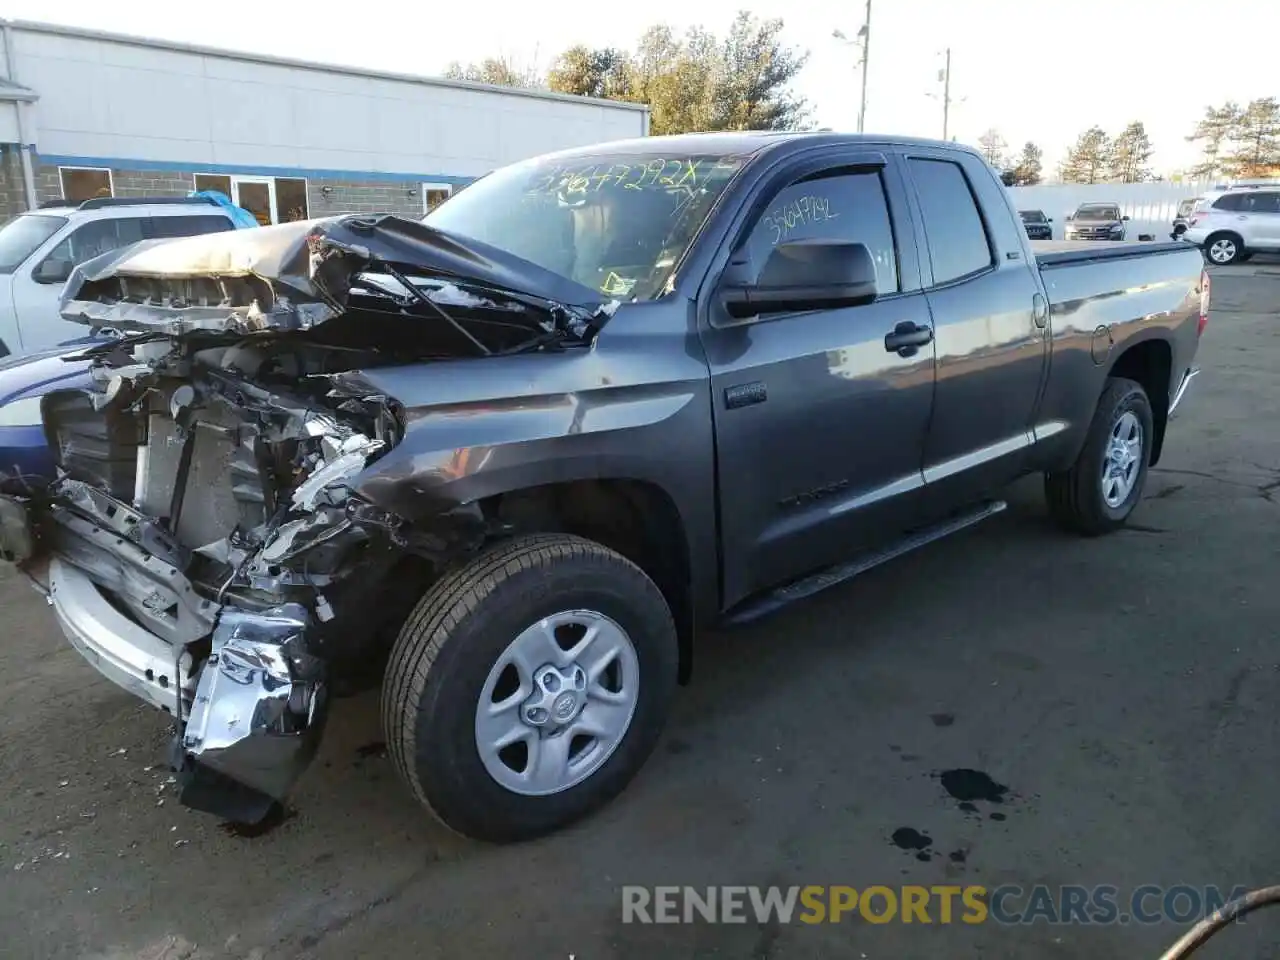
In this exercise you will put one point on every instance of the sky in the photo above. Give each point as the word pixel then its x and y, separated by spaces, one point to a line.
pixel 1038 70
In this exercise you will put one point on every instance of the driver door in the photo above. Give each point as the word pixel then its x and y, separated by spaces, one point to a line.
pixel 819 427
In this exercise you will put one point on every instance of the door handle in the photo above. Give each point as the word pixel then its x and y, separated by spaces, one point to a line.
pixel 907 338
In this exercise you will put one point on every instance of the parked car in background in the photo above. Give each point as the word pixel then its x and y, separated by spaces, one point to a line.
pixel 1232 226
pixel 520 473
pixel 39 249
pixel 1037 225
pixel 1180 217
pixel 26 461
pixel 1096 221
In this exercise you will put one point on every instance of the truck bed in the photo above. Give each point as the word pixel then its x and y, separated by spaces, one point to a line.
pixel 1053 253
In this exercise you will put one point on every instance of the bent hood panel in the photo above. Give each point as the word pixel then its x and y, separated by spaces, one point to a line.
pixel 301 274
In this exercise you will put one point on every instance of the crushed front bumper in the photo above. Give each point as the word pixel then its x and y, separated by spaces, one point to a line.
pixel 249 698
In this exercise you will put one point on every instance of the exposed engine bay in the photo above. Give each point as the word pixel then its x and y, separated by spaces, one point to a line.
pixel 208 550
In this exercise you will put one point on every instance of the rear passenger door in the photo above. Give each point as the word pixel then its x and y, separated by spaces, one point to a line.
pixel 991 323
pixel 819 427
pixel 1263 211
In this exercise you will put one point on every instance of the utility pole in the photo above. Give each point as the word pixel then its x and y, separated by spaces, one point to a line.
pixel 863 40
pixel 946 94
pixel 866 54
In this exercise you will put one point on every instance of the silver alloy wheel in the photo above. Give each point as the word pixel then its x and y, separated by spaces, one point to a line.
pixel 1222 250
pixel 557 702
pixel 1123 459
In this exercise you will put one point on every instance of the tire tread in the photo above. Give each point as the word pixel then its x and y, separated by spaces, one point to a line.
pixel 448 602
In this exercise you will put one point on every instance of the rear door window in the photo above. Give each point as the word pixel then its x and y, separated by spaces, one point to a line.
pixel 1266 202
pixel 1232 201
pixel 189 226
pixel 958 243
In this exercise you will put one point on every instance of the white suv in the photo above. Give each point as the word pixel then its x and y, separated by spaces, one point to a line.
pixel 1233 225
pixel 39 249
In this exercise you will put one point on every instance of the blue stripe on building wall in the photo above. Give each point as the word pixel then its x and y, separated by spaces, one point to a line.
pixel 248 170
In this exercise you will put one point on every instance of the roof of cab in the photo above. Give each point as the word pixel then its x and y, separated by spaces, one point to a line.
pixel 747 143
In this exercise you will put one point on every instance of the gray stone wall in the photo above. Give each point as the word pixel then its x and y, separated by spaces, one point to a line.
pixel 12 200
pixel 352 196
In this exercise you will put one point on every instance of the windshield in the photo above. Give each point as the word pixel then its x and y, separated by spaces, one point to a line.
pixel 616 222
pixel 1032 216
pixel 21 235
pixel 1098 211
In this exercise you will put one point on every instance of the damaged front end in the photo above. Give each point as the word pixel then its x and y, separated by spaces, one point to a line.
pixel 206 548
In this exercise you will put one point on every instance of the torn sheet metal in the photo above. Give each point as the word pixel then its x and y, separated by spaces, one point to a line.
pixel 259 708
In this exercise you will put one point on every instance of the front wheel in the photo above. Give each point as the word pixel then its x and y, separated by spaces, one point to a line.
pixel 1102 488
pixel 1222 249
pixel 529 686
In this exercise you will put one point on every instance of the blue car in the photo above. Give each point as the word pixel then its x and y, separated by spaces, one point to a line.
pixel 25 456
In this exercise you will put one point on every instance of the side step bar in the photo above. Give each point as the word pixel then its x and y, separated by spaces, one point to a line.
pixel 775 600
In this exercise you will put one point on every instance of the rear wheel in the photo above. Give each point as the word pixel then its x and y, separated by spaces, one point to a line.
pixel 1100 490
pixel 529 686
pixel 1223 248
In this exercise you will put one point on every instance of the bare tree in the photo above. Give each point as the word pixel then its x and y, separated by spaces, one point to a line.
pixel 993 148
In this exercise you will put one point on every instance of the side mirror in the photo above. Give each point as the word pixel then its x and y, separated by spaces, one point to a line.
pixel 1050 219
pixel 806 275
pixel 52 271
pixel 1124 218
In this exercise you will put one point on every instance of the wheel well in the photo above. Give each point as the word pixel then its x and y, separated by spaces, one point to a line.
pixel 1150 364
pixel 1225 233
pixel 636 519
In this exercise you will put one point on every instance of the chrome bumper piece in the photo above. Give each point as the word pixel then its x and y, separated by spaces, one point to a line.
pixel 122 651
pixel 251 711
pixel 1190 374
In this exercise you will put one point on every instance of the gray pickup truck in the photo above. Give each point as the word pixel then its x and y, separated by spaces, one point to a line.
pixel 508 461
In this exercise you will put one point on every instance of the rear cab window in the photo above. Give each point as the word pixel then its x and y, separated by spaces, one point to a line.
pixel 958 243
pixel 850 205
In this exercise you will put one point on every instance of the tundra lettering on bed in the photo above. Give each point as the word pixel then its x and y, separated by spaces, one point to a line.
pixel 510 459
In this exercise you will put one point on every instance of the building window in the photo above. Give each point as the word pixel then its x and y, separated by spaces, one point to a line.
pixel 214 181
pixel 269 199
pixel 85 183
pixel 291 199
pixel 434 194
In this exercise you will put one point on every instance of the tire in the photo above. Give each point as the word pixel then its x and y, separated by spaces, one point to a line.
pixel 1224 248
pixel 1076 498
pixel 451 650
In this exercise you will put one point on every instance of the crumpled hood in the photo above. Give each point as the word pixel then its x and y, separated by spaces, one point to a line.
pixel 293 276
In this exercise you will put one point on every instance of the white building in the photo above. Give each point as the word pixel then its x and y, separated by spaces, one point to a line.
pixel 84 113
